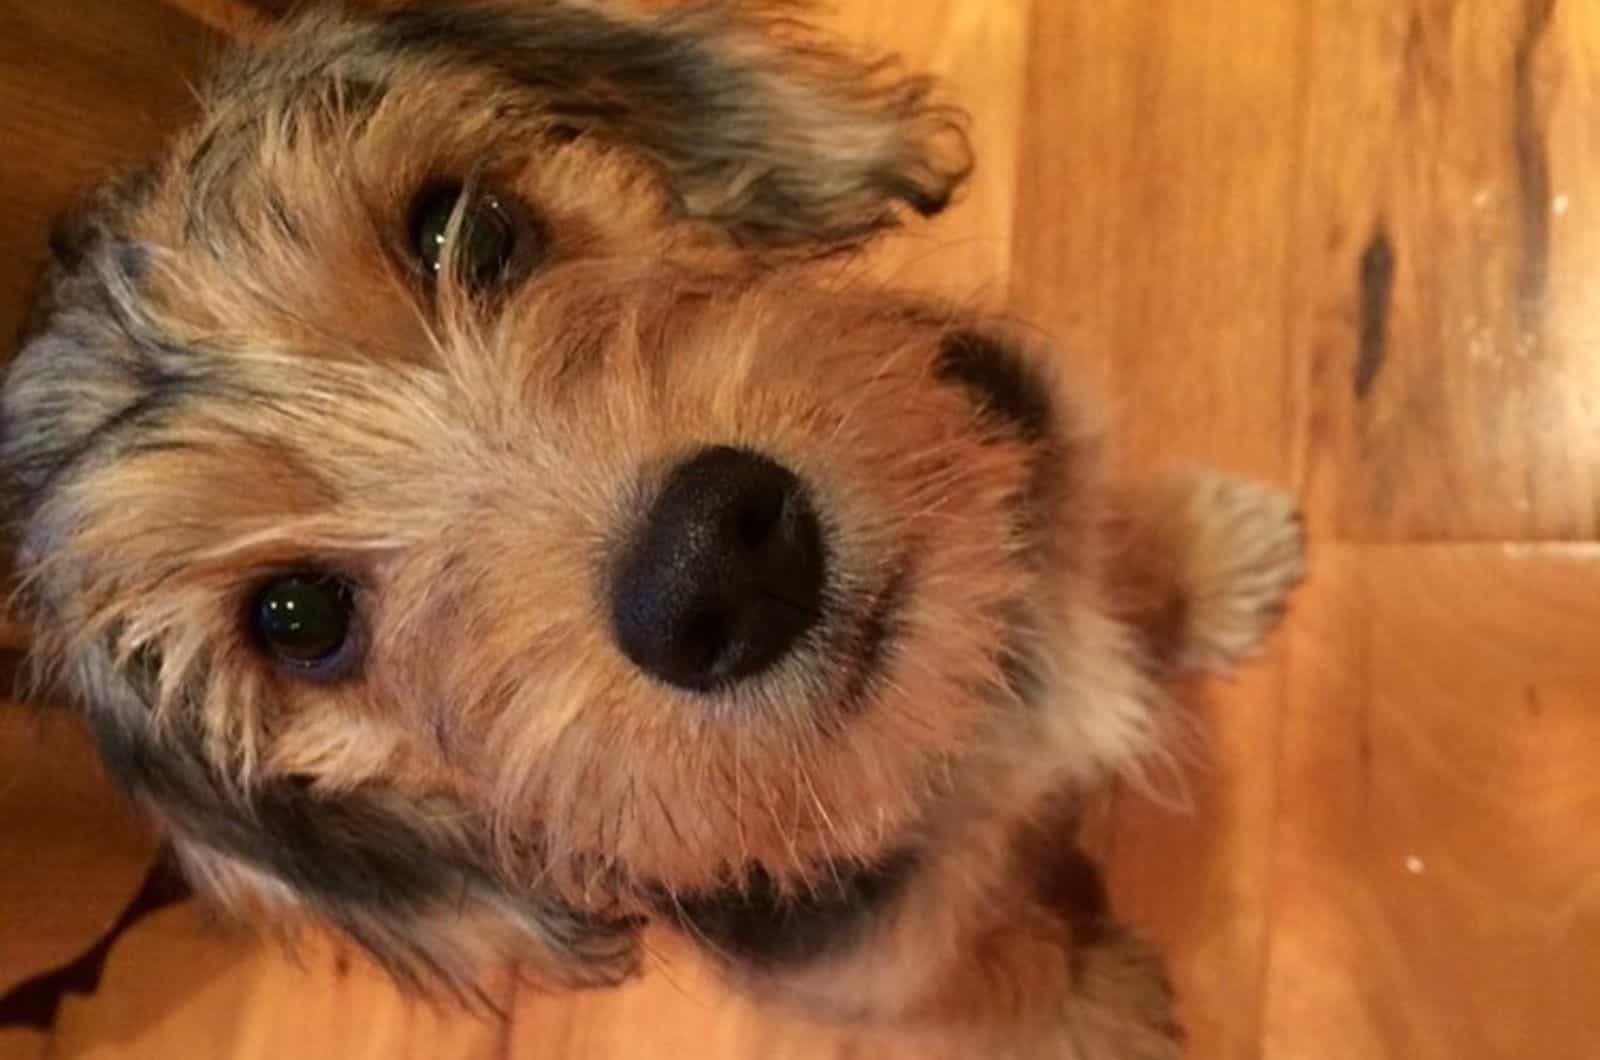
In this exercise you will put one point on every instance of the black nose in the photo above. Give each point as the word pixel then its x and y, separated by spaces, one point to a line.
pixel 726 573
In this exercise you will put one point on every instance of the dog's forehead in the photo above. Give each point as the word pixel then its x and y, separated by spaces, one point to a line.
pixel 557 45
pixel 286 215
pixel 279 234
pixel 561 47
pixel 577 66
pixel 380 104
pixel 698 126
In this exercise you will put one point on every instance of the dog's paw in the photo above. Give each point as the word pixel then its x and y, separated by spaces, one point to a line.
pixel 1242 546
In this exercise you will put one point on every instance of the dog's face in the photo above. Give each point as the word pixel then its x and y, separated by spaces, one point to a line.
pixel 461 491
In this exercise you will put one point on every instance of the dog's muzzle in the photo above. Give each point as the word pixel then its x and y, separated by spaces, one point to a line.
pixel 725 574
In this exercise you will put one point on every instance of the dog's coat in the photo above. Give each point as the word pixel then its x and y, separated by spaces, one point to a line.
pixel 253 381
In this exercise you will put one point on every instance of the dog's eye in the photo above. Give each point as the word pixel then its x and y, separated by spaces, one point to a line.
pixel 486 240
pixel 304 619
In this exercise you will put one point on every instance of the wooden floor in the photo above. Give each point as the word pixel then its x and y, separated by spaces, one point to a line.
pixel 1348 245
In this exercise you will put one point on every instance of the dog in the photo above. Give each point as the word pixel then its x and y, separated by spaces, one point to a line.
pixel 474 507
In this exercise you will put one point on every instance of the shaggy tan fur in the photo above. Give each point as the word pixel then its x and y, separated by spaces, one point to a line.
pixel 243 371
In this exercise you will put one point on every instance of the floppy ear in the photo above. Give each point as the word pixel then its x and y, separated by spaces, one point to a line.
pixel 760 128
pixel 83 363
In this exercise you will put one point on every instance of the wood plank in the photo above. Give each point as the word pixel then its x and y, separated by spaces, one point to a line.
pixel 18 1044
pixel 1437 891
pixel 1157 184
pixel 1153 236
pixel 238 19
pixel 221 994
pixel 71 853
pixel 1447 254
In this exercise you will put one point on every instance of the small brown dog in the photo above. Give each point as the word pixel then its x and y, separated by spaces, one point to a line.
pixel 468 512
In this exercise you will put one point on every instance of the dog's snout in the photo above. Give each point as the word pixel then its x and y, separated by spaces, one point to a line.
pixel 725 575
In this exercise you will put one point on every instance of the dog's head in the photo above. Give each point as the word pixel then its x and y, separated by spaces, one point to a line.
pixel 466 507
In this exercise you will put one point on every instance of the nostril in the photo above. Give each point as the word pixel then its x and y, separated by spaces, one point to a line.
pixel 706 640
pixel 759 515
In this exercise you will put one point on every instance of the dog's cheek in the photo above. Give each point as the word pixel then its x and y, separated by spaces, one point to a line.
pixel 999 380
pixel 411 891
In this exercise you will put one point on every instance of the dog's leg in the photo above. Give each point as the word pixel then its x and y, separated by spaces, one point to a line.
pixel 1028 994
pixel 1045 972
pixel 1203 564
pixel 1117 1002
pixel 1120 1005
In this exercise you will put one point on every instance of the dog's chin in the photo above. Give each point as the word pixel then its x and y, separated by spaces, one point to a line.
pixel 763 926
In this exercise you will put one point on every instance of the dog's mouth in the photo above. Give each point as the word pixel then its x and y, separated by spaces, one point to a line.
pixel 869 643
pixel 757 924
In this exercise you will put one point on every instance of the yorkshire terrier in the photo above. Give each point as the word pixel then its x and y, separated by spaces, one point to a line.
pixel 472 506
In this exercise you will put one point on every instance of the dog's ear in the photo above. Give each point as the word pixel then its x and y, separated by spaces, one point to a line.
pixel 78 377
pixel 762 129
pixel 81 361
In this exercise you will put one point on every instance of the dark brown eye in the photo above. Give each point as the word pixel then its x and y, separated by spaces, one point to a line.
pixel 305 620
pixel 488 241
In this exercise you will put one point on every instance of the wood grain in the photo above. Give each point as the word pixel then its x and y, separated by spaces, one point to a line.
pixel 234 19
pixel 221 994
pixel 1450 156
pixel 1437 884
pixel 1157 177
pixel 20 1044
pixel 71 853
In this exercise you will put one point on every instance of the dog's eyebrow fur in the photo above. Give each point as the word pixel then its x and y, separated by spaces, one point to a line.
pixel 591 66
pixel 684 87
pixel 781 143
